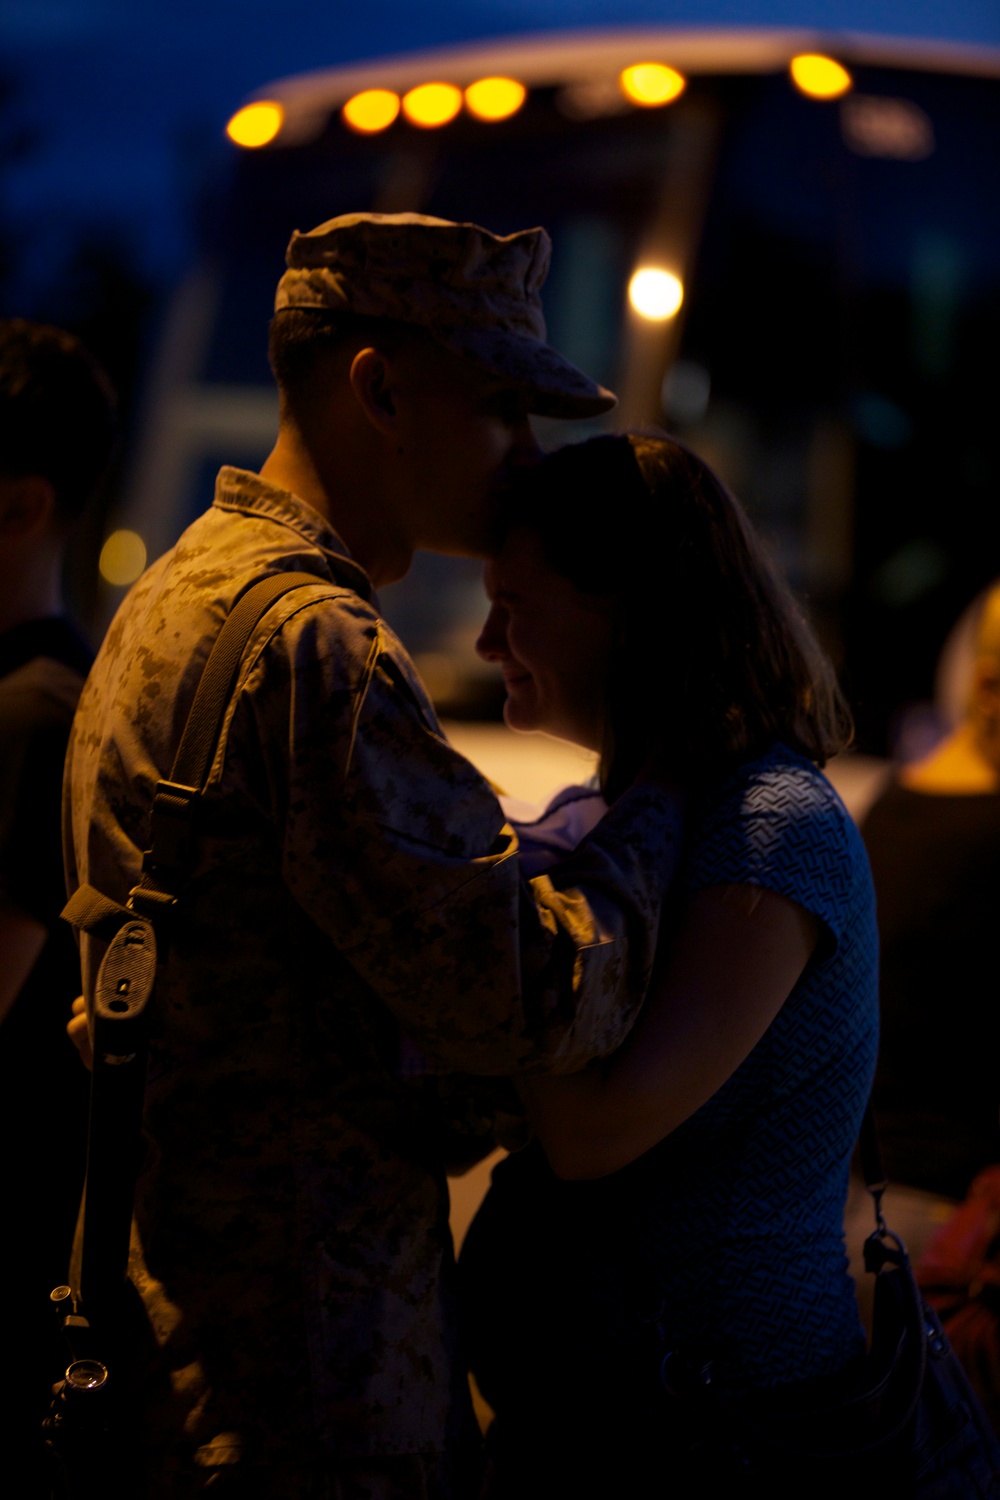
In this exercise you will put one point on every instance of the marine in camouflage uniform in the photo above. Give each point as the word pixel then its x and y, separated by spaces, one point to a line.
pixel 355 883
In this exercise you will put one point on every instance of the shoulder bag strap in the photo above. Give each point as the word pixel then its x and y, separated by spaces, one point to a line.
pixel 167 861
pixel 871 1164
pixel 137 935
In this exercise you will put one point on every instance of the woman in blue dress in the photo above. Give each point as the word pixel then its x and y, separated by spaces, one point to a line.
pixel 680 1205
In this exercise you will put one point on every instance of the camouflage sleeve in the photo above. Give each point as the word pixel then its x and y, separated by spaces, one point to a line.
pixel 397 848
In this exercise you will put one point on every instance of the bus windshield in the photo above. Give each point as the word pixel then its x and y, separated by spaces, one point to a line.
pixel 832 356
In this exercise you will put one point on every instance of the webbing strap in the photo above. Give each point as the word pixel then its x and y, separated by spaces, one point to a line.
pixel 196 750
pixel 168 858
pixel 89 911
pixel 871 1163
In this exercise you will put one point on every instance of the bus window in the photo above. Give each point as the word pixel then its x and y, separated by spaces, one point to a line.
pixel 846 297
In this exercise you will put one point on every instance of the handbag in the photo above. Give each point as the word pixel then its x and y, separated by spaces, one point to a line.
pixel 959 1275
pixel 906 1420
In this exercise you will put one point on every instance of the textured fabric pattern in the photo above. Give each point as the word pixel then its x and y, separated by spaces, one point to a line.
pixel 765 1163
pixel 729 1233
pixel 355 876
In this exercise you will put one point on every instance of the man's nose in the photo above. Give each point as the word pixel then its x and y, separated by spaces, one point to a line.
pixel 492 642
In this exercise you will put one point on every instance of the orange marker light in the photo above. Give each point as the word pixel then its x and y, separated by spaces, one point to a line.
pixel 432 104
pixel 495 98
pixel 256 124
pixel 652 84
pixel 371 111
pixel 819 77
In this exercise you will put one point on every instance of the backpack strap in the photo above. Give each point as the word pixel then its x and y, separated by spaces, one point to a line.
pixel 89 911
pixel 127 975
pixel 167 861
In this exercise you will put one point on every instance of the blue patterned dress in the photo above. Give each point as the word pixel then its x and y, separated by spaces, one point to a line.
pixel 727 1236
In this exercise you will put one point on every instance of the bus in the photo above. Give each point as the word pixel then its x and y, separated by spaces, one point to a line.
pixel 781 246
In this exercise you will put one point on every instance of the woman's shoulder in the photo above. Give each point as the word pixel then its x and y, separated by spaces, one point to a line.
pixel 781 785
pixel 776 821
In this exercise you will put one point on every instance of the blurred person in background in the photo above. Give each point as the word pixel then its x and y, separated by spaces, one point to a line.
pixel 634 612
pixel 933 838
pixel 57 433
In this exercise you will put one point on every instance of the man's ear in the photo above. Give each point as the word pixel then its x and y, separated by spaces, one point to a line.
pixel 372 382
pixel 27 505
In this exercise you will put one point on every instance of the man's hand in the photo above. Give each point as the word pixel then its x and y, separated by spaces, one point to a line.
pixel 78 1031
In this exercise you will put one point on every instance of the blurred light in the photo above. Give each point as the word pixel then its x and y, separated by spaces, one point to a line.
pixel 894 128
pixel 819 77
pixel 910 573
pixel 123 558
pixel 371 111
pixel 432 104
pixel 880 421
pixel 593 99
pixel 652 84
pixel 256 124
pixel 655 294
pixel 687 389
pixel 495 98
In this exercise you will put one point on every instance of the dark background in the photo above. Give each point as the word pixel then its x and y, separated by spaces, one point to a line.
pixel 112 116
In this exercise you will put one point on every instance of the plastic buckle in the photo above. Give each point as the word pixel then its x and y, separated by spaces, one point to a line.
pixel 171 827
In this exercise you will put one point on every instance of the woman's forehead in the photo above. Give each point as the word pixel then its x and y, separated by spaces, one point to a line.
pixel 516 566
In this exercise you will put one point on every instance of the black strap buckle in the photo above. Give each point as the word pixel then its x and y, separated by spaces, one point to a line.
pixel 171 827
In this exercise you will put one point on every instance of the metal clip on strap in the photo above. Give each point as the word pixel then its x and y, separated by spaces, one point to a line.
pixel 871 1165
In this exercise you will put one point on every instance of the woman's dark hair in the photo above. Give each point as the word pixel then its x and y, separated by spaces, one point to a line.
pixel 713 658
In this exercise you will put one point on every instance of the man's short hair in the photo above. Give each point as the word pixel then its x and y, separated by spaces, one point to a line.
pixel 57 412
pixel 301 337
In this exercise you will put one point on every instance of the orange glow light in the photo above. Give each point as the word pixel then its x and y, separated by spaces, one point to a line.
pixel 652 84
pixel 432 104
pixel 256 124
pixel 655 293
pixel 371 111
pixel 495 98
pixel 819 77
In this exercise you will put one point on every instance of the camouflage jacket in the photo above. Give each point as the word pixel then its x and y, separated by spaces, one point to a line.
pixel 355 878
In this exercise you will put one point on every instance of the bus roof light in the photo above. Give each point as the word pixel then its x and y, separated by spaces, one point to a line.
pixel 495 98
pixel 432 104
pixel 820 77
pixel 256 124
pixel 652 84
pixel 655 294
pixel 371 111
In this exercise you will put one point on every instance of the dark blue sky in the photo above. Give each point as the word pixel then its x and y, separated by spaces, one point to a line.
pixel 126 98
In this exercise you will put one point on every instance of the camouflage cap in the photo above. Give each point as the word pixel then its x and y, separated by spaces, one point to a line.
pixel 477 293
